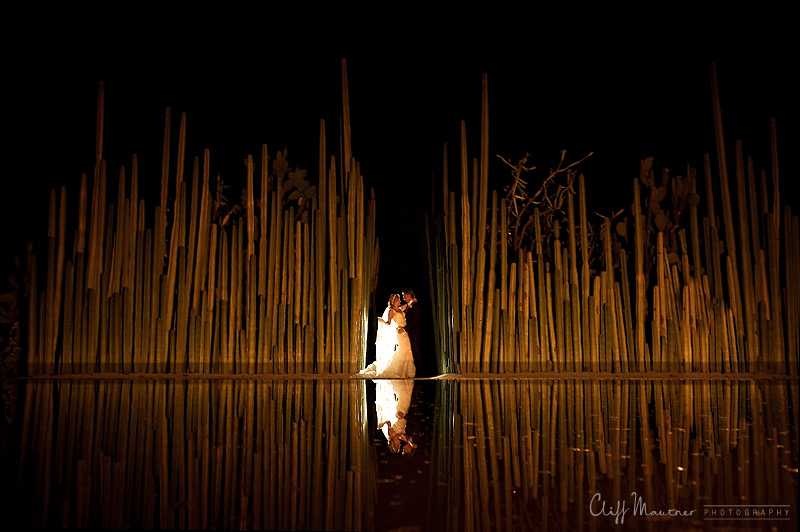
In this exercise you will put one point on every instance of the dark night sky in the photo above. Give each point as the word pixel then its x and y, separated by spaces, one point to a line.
pixel 625 95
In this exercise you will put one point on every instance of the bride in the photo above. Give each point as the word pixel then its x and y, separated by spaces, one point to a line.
pixel 393 357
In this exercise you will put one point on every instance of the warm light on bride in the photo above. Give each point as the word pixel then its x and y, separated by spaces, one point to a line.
pixel 393 356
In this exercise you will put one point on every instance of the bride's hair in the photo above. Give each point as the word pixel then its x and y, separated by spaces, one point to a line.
pixel 392 297
pixel 408 448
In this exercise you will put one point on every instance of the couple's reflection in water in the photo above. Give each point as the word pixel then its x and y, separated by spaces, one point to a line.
pixel 392 402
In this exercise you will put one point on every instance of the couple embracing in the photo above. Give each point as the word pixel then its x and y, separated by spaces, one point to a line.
pixel 397 332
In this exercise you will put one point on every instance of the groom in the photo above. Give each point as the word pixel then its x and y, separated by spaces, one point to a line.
pixel 412 325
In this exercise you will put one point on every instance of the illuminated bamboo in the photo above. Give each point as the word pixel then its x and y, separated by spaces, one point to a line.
pixel 158 295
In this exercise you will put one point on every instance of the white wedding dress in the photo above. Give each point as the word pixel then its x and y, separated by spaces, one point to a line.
pixel 393 357
pixel 392 397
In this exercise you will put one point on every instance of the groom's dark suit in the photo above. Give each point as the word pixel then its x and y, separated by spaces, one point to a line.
pixel 414 332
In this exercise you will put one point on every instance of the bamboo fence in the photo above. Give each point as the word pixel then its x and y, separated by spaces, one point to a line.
pixel 719 303
pixel 269 293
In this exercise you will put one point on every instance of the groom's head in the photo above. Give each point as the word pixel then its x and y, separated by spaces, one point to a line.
pixel 408 295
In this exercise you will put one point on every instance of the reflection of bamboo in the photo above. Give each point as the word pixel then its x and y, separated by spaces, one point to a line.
pixel 563 445
pixel 482 436
pixel 696 461
pixel 579 449
pixel 549 407
pixel 110 482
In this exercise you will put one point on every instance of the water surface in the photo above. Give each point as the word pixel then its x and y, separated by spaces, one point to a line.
pixel 512 454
